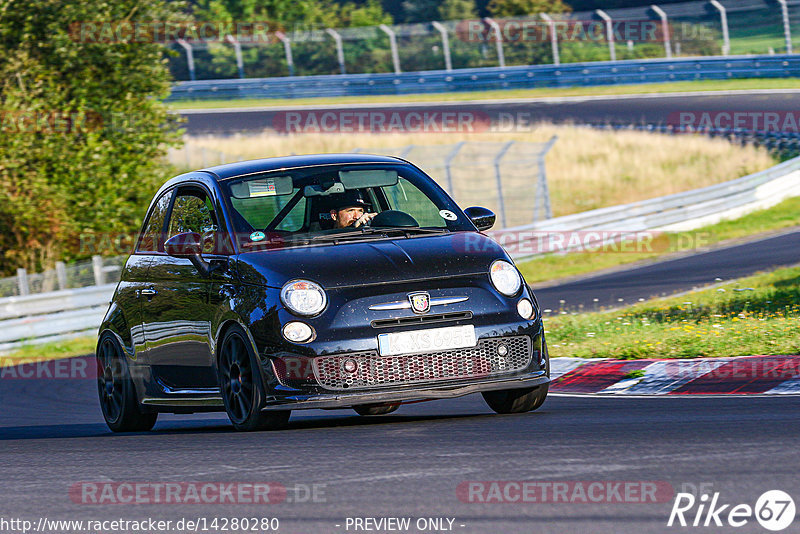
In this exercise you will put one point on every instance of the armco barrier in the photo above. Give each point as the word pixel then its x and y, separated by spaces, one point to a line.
pixel 677 212
pixel 482 79
pixel 51 316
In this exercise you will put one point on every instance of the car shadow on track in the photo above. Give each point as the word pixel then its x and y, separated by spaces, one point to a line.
pixel 200 426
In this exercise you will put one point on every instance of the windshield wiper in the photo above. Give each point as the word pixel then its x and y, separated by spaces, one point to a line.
pixel 363 231
pixel 379 230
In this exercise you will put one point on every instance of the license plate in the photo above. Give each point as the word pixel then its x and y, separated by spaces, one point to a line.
pixel 429 340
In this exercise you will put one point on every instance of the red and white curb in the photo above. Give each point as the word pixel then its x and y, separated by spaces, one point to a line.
pixel 760 375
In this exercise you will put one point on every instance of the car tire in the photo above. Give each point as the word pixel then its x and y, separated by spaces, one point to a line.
pixel 375 409
pixel 121 409
pixel 242 386
pixel 516 400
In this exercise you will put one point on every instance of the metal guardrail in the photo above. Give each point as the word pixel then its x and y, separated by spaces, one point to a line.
pixel 60 314
pixel 43 317
pixel 677 212
pixel 489 78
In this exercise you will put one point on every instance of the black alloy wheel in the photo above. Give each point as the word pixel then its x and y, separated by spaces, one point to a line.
pixel 242 387
pixel 118 402
pixel 375 409
pixel 516 400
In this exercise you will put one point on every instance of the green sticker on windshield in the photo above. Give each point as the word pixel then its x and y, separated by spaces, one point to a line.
pixel 257 236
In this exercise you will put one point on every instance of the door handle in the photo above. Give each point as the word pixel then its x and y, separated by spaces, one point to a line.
pixel 148 293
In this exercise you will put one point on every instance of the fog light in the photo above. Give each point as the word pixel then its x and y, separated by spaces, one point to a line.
pixel 525 309
pixel 350 366
pixel 298 332
pixel 502 350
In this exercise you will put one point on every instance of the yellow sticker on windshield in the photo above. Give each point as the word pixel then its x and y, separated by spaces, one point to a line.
pixel 262 188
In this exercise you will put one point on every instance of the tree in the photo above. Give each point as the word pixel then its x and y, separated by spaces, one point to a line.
pixel 457 10
pixel 84 128
pixel 420 10
pixel 517 8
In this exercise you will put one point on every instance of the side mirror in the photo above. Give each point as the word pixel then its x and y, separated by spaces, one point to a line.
pixel 482 218
pixel 188 245
pixel 185 245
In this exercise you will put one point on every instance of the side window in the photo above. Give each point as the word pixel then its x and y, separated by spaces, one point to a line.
pixel 152 238
pixel 193 211
pixel 405 196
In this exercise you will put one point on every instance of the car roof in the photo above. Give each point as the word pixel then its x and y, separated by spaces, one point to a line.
pixel 241 168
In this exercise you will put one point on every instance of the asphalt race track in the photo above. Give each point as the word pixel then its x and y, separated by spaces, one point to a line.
pixel 407 464
pixel 416 462
pixel 673 276
pixel 629 109
pixel 412 462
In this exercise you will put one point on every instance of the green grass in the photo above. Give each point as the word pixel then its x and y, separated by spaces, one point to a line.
pixel 755 315
pixel 79 346
pixel 670 87
pixel 555 266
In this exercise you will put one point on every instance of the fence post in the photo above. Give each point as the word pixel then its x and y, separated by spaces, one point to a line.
pixel 498 39
pixel 189 57
pixel 448 63
pixel 393 45
pixel 287 49
pixel 339 48
pixel 543 187
pixel 553 37
pixel 61 275
pixel 237 49
pixel 609 33
pixel 97 267
pixel 499 181
pixel 447 161
pixel 664 28
pixel 787 32
pixel 22 282
pixel 723 18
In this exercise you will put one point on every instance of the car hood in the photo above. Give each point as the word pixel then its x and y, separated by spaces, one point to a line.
pixel 373 261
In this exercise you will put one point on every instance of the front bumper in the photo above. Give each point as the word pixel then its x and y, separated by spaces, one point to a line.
pixel 418 393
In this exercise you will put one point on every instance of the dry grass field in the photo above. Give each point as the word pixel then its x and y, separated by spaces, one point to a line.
pixel 586 168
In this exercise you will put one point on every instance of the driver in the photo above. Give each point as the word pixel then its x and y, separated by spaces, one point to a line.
pixel 350 209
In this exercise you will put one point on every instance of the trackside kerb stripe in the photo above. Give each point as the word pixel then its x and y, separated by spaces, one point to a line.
pixel 593 377
pixel 748 375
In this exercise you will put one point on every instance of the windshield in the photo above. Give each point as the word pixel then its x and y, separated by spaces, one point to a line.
pixel 338 203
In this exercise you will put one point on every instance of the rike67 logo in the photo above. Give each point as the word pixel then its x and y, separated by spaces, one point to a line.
pixel 774 510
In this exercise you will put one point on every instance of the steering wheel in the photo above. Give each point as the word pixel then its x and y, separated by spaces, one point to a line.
pixel 394 218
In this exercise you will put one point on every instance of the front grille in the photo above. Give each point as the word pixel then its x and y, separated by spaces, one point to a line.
pixel 422 319
pixel 375 371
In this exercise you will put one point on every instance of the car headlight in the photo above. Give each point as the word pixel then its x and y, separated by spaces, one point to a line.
pixel 303 297
pixel 505 278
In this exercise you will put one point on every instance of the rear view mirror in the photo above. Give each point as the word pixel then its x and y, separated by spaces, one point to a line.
pixel 322 191
pixel 482 218
pixel 368 178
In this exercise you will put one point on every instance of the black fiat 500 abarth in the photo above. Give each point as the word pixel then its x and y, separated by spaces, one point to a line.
pixel 326 281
